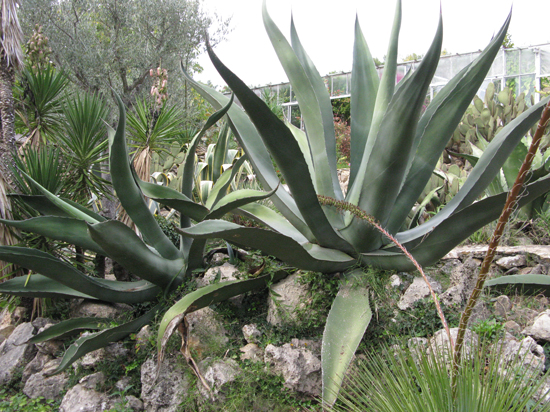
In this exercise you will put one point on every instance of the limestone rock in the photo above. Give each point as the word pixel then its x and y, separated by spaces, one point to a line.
pixel 343 179
pixel 80 399
pixel 289 295
pixel 300 367
pixel 523 354
pixel 94 309
pixel 395 281
pixel 165 394
pixel 49 347
pixel 143 336
pixel 205 330
pixel 50 387
pixel 15 352
pixel 502 306
pixel 9 320
pixel 251 333
pixel 217 373
pixel 512 327
pixel 462 282
pixel 540 329
pixel 114 351
pixel 509 262
pixel 36 365
pixel 416 291
pixel 225 272
pixel 440 344
pixel 252 352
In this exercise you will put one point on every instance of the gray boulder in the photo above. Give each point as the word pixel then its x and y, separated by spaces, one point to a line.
pixel 462 282
pixel 9 320
pixel 93 309
pixel 288 296
pixel 300 367
pixel 416 291
pixel 84 398
pixel 217 373
pixel 15 352
pixel 165 393
pixel 50 387
pixel 540 329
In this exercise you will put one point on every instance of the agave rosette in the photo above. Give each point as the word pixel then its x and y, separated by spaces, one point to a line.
pixel 395 146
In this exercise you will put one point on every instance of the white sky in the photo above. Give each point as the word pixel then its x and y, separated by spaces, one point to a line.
pixel 326 30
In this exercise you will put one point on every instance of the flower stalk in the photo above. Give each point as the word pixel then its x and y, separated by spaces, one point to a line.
pixel 343 206
pixel 509 207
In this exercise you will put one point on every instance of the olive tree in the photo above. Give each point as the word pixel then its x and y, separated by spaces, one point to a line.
pixel 112 44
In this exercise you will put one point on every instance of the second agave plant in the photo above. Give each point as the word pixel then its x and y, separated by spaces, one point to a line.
pixel 395 146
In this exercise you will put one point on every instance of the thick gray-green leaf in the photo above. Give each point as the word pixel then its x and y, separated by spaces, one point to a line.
pixel 322 96
pixel 66 229
pixel 101 339
pixel 306 256
pixel 129 250
pixel 437 124
pixel 46 207
pixel 271 219
pixel 251 142
pixel 379 179
pixel 129 193
pixel 72 211
pixel 221 185
pixel 38 286
pixel 286 152
pixel 237 199
pixel 206 296
pixel 484 171
pixel 364 87
pixel 347 322
pixel 69 327
pixel 53 268
pixel 174 199
pixel 522 284
pixel 429 248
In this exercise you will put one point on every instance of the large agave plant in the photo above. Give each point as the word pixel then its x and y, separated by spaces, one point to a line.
pixel 395 146
pixel 161 266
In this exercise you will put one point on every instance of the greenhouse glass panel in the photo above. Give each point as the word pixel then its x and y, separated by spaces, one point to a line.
pixel 400 73
pixel 545 61
pixel 284 93
pixel 461 61
pixel 295 116
pixel 497 68
pixel 512 62
pixel 443 71
pixel 527 61
pixel 527 86
pixel 513 84
pixel 339 85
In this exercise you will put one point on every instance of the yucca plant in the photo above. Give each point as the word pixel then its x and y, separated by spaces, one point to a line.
pixel 39 100
pixel 395 146
pixel 83 141
pixel 418 380
pixel 161 266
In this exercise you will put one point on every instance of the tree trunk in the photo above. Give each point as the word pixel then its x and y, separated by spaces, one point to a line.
pixel 7 149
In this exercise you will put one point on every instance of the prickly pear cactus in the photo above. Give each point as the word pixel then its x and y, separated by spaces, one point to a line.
pixel 487 117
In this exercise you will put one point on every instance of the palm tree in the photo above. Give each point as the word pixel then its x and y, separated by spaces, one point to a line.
pixel 11 57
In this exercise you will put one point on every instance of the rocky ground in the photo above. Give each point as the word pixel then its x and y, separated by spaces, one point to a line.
pixel 229 350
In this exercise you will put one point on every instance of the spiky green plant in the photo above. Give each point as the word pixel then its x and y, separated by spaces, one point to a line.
pixel 161 266
pixel 395 146
pixel 417 380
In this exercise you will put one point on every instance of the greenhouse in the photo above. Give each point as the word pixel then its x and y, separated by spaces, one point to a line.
pixel 525 70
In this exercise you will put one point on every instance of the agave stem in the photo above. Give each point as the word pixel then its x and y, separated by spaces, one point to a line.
pixel 509 206
pixel 361 214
